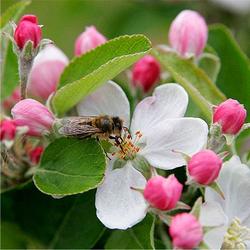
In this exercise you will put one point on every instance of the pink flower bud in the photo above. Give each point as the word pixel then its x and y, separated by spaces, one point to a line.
pixel 10 101
pixel 88 40
pixel 7 129
pixel 28 29
pixel 35 154
pixel 230 115
pixel 204 167
pixel 146 72
pixel 186 231
pixel 163 193
pixel 46 71
pixel 33 114
pixel 188 33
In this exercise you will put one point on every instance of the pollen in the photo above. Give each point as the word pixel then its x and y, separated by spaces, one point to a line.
pixel 128 148
pixel 236 236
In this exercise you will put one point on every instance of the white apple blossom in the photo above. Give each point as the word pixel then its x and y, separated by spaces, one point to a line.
pixel 157 128
pixel 230 217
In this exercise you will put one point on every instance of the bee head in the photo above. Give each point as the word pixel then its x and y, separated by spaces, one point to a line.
pixel 117 125
pixel 106 124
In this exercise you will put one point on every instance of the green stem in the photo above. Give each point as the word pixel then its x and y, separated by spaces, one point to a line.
pixel 24 70
pixel 163 235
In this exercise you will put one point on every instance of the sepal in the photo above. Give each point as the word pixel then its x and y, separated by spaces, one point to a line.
pixel 196 209
pixel 216 139
pixel 142 165
pixel 215 186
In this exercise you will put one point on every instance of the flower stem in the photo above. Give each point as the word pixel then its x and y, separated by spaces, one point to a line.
pixel 24 70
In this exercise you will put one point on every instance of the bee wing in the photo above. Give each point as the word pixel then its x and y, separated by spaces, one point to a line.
pixel 78 127
pixel 77 120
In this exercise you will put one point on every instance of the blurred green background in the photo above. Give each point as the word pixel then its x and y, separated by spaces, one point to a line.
pixel 63 20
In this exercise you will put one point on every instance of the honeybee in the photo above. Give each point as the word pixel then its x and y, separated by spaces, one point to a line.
pixel 103 127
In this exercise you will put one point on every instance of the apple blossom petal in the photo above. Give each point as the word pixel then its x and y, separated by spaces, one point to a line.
pixel 214 238
pixel 118 206
pixel 212 215
pixel 106 100
pixel 168 101
pixel 234 180
pixel 187 135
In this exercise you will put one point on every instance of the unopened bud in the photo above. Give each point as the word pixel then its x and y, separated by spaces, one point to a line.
pixel 204 167
pixel 35 154
pixel 88 40
pixel 27 30
pixel 163 193
pixel 186 231
pixel 34 115
pixel 188 33
pixel 231 115
pixel 10 101
pixel 7 129
pixel 145 73
pixel 46 71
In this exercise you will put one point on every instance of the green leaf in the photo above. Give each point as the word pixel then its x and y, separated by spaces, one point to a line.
pixel 80 228
pixel 137 237
pixel 68 223
pixel 12 237
pixel 198 85
pixel 210 63
pixel 70 166
pixel 13 12
pixel 234 77
pixel 10 78
pixel 88 72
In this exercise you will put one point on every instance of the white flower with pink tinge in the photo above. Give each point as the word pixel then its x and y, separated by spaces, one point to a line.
pixel 230 217
pixel 157 128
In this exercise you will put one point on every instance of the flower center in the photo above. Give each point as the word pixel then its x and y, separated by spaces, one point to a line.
pixel 129 147
pixel 236 236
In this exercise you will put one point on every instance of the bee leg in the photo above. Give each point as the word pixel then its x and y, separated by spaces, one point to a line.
pixel 116 138
pixel 98 140
pixel 106 154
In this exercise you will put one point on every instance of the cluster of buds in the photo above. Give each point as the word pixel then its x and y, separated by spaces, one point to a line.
pixel 164 195
pixel 27 38
pixel 16 158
